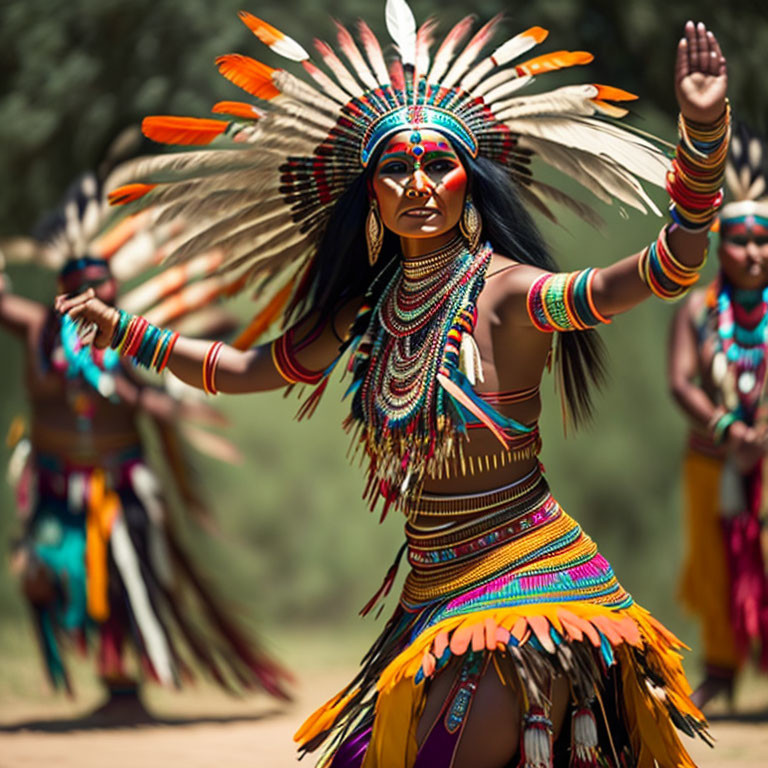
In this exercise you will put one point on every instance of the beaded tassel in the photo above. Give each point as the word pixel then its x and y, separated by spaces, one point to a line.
pixel 536 742
pixel 584 740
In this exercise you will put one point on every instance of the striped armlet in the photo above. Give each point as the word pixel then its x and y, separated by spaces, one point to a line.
pixel 563 302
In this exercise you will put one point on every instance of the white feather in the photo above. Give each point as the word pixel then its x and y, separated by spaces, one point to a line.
pixel 149 625
pixel 401 26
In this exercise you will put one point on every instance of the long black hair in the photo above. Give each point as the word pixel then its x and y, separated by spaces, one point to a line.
pixel 340 271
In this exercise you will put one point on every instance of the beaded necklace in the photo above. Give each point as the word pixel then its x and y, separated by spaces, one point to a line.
pixel 410 388
pixel 742 332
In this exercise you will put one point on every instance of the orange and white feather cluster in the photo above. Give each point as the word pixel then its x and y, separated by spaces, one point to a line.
pixel 261 180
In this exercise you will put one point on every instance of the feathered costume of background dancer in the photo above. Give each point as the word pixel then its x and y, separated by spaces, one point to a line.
pixel 718 376
pixel 98 554
pixel 509 616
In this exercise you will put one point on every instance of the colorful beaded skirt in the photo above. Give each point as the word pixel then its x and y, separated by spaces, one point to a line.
pixel 522 592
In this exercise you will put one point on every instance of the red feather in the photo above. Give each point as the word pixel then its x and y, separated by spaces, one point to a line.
pixel 182 130
pixel 128 193
pixel 250 75
pixel 237 109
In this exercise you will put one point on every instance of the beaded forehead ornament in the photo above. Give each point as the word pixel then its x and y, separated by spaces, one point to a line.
pixel 264 179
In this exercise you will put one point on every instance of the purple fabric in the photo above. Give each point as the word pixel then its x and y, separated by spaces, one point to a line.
pixel 352 750
pixel 439 746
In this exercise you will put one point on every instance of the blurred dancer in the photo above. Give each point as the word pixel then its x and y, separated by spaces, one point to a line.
pixel 98 553
pixel 717 373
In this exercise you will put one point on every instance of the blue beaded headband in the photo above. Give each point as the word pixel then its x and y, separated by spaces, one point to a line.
pixel 414 117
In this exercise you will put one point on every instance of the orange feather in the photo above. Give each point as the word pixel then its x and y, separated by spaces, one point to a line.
pixel 236 109
pixel 128 193
pixel 265 32
pixel 549 62
pixel 250 75
pixel 114 239
pixel 614 94
pixel 166 129
pixel 264 319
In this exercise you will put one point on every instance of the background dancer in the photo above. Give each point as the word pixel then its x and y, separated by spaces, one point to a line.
pixel 717 374
pixel 98 553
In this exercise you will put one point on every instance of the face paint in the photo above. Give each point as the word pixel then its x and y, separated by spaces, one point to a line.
pixel 420 184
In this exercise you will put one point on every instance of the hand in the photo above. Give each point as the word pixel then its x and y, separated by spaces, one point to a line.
pixel 87 308
pixel 745 444
pixel 701 76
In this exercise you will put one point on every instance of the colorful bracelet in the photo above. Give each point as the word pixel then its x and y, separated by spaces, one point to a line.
pixel 149 346
pixel 720 429
pixel 664 275
pixel 564 302
pixel 698 169
pixel 210 363
pixel 284 358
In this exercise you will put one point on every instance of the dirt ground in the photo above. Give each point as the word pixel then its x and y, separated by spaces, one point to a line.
pixel 214 731
pixel 202 727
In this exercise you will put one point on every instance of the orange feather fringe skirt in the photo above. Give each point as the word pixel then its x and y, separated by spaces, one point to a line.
pixel 521 592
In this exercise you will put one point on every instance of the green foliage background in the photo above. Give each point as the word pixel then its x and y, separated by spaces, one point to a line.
pixel 296 544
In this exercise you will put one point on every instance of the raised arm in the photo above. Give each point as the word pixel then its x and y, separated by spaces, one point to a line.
pixel 211 365
pixel 700 86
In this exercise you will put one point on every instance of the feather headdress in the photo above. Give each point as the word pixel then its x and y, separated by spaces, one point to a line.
pixel 262 182
pixel 745 175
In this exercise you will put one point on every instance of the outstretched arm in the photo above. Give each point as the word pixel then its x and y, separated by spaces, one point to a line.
pixel 237 371
pixel 17 314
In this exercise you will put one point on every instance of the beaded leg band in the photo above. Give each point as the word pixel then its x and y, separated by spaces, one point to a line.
pixel 148 345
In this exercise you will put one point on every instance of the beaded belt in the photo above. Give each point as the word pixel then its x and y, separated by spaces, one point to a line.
pixel 439 505
pixel 510 512
pixel 479 538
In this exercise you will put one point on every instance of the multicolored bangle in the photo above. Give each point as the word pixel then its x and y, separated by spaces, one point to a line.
pixel 564 302
pixel 148 345
pixel 695 182
pixel 210 364
pixel 666 277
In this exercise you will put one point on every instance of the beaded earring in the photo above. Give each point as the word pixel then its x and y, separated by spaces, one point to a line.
pixel 374 232
pixel 471 224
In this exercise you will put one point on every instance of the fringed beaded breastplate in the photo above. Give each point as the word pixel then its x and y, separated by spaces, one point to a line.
pixel 413 362
pixel 738 323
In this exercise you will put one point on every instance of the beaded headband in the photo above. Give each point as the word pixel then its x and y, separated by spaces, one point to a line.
pixel 264 177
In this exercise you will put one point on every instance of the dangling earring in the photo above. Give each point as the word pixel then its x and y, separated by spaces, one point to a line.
pixel 374 233
pixel 471 224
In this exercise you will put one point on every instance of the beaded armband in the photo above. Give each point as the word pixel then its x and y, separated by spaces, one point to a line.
pixel 284 357
pixel 563 302
pixel 695 182
pixel 148 345
pixel 666 277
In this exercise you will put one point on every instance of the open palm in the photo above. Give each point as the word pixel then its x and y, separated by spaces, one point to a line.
pixel 701 76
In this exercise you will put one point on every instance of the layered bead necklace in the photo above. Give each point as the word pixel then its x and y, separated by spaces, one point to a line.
pixel 742 330
pixel 405 417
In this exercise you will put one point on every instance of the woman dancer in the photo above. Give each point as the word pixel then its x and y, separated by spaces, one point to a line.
pixel 509 614
pixel 98 555
pixel 717 366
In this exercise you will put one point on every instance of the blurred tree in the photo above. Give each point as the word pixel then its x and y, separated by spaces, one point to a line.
pixel 74 72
